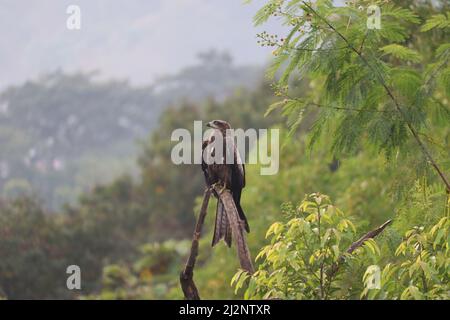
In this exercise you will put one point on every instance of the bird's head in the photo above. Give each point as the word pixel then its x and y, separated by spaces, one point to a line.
pixel 219 124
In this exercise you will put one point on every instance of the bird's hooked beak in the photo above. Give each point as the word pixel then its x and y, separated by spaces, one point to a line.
pixel 210 125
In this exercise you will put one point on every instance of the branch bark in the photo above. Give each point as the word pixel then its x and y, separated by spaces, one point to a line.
pixel 190 291
pixel 355 245
pixel 186 276
pixel 236 228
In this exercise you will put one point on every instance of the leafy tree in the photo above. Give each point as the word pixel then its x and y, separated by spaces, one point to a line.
pixel 380 87
pixel 151 276
pixel 31 251
pixel 56 129
pixel 382 90
pixel 110 222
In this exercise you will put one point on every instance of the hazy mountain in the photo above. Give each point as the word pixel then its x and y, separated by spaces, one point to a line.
pixel 63 133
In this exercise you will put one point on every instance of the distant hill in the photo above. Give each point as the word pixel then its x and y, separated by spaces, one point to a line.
pixel 64 133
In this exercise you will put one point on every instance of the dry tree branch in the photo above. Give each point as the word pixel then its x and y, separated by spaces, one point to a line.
pixel 186 276
pixel 369 235
pixel 355 245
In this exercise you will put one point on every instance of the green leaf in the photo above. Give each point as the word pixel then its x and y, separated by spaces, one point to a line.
pixel 263 14
pixel 275 229
pixel 436 21
pixel 372 245
pixel 442 50
pixel 401 52
pixel 406 81
pixel 240 280
pixel 274 106
pixel 400 14
pixel 236 276
pixel 411 291
pixel 438 238
pixel 251 289
pixel 336 251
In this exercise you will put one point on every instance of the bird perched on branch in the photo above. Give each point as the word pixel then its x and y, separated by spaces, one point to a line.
pixel 228 171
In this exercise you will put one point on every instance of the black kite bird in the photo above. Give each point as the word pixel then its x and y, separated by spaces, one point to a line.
pixel 230 176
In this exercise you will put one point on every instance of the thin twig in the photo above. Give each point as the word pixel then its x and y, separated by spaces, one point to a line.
pixel 323 258
pixel 348 109
pixel 318 49
pixel 362 43
pixel 431 140
pixel 318 105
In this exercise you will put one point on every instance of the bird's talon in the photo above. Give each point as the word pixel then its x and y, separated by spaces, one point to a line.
pixel 214 185
pixel 223 189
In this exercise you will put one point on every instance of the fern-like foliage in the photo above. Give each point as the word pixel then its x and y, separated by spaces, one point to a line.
pixel 376 86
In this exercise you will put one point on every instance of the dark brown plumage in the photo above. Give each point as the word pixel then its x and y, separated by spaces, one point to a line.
pixel 230 176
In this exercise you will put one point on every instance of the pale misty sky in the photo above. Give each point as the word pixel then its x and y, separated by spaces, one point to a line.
pixel 126 39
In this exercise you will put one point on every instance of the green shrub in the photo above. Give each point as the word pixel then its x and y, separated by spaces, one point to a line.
pixel 307 254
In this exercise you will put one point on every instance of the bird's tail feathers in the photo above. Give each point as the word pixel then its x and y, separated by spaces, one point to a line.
pixel 222 228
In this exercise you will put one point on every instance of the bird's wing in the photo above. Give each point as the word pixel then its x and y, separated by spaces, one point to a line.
pixel 204 164
pixel 240 165
pixel 238 169
pixel 237 181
